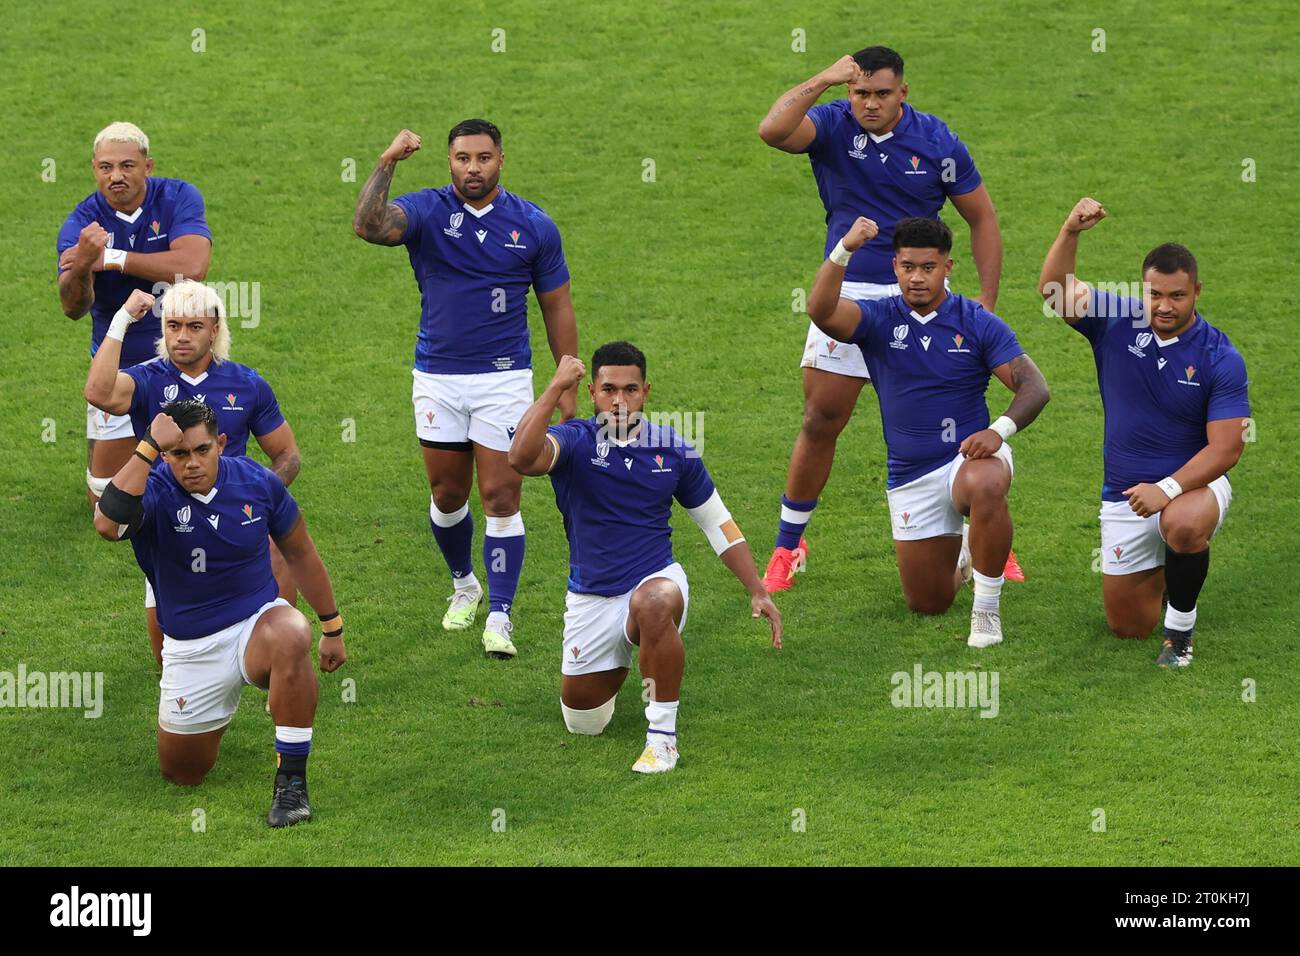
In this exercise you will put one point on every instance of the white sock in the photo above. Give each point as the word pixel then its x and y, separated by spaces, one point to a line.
pixel 467 583
pixel 988 592
pixel 1180 620
pixel 661 715
pixel 497 621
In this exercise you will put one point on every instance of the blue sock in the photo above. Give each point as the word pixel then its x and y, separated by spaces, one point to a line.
pixel 503 554
pixel 292 747
pixel 794 521
pixel 454 534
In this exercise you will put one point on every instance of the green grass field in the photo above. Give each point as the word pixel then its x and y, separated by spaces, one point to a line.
pixel 698 268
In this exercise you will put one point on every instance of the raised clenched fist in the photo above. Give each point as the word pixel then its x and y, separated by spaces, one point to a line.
pixel 843 70
pixel 863 230
pixel 138 304
pixel 405 144
pixel 1087 212
pixel 165 431
pixel 569 373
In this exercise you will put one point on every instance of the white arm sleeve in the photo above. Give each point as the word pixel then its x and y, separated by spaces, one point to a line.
pixel 715 521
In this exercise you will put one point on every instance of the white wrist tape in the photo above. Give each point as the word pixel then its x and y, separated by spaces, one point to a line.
pixel 1004 427
pixel 115 259
pixel 839 255
pixel 1170 487
pixel 117 328
pixel 715 521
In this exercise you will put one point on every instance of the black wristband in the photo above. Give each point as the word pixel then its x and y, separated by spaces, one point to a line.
pixel 338 633
pixel 146 437
pixel 326 617
pixel 144 458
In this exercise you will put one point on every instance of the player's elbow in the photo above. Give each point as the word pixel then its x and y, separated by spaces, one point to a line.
pixel 765 133
pixel 519 461
pixel 92 394
pixel 105 527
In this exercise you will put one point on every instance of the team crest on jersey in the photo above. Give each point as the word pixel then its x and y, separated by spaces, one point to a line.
pixel 514 240
pixel 453 225
pixel 248 511
pixel 170 393
pixel 1142 341
pixel 900 333
pixel 916 167
pixel 155 226
pixel 1189 372
pixel 659 466
pixel 230 405
pixel 958 341
pixel 183 517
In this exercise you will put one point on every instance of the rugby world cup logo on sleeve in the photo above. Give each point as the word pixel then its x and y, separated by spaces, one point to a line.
pixel 170 393
pixel 183 519
pixel 900 333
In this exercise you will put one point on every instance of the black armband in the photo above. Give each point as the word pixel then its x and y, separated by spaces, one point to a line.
pixel 116 505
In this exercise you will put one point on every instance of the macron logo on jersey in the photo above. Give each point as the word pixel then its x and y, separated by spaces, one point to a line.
pixel 481 234
pixel 212 520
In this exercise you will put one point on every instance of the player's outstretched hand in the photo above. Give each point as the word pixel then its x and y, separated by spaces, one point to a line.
pixel 165 431
pixel 403 146
pixel 981 444
pixel 1087 212
pixel 91 243
pixel 568 374
pixel 1146 499
pixel 763 606
pixel 138 304
pixel 863 230
pixel 843 70
pixel 332 653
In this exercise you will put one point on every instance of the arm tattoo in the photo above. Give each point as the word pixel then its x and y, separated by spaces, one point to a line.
pixel 1031 392
pixel 286 467
pixel 806 91
pixel 376 219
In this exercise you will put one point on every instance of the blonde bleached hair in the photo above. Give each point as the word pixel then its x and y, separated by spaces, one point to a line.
pixel 188 299
pixel 122 133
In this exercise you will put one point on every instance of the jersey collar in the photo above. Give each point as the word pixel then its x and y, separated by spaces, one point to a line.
pixel 479 213
pixel 923 319
pixel 1187 331
pixel 216 486
pixel 898 127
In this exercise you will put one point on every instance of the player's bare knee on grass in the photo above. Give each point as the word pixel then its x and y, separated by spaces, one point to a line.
pixel 928 601
pixel 1129 624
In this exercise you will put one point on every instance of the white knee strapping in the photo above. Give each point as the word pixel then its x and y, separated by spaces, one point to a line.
pixel 444 520
pixel 590 722
pixel 96 485
pixel 508 526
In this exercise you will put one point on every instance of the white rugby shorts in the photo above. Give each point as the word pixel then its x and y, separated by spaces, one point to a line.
pixel 481 408
pixel 923 507
pixel 595 627
pixel 1131 543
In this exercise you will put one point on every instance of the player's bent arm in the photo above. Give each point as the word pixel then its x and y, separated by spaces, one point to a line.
pixel 1226 440
pixel 1064 293
pixel 188 257
pixel 76 292
pixel 377 220
pixel 837 317
pixel 534 451
pixel 281 447
pixel 120 510
pixel 1023 377
pixel 106 388
pixel 976 207
pixel 786 126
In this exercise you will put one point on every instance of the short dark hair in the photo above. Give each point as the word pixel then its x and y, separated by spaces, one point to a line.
pixel 921 233
pixel 879 58
pixel 474 127
pixel 1170 258
pixel 190 412
pixel 617 353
